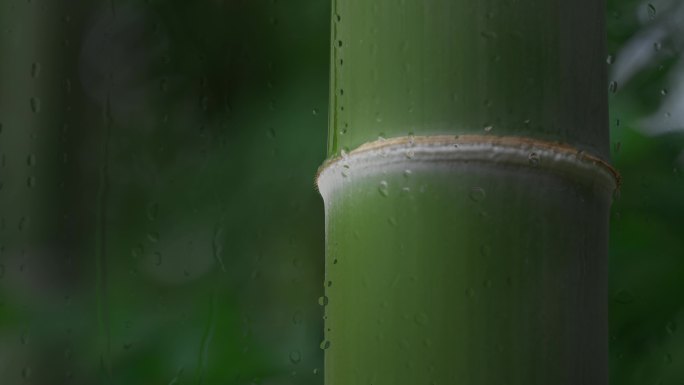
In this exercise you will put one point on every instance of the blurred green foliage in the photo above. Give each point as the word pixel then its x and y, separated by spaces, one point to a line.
pixel 159 218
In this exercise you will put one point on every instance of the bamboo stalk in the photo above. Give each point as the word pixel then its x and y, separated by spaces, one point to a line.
pixel 470 246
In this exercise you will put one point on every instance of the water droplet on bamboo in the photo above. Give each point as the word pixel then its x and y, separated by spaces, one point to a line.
pixel 613 87
pixel 35 104
pixel 35 70
pixel 383 189
pixel 477 194
pixel 295 356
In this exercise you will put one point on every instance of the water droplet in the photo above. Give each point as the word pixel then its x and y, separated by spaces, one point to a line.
pixel 624 297
pixel 671 327
pixel 335 261
pixel 383 189
pixel 657 46
pixel 610 59
pixel 651 11
pixel 35 70
pixel 35 104
pixel 325 344
pixel 157 258
pixel 323 300
pixel 26 372
pixel 314 112
pixel 152 211
pixel 328 284
pixel 31 181
pixel 339 43
pixel 488 128
pixel 315 371
pixel 31 160
pixel 613 87
pixel 421 319
pixel 297 317
pixel 663 91
pixel 295 356
pixel 488 34
pixel 153 237
pixel 24 223
pixel 533 158
pixel 477 194
pixel 485 250
pixel 617 146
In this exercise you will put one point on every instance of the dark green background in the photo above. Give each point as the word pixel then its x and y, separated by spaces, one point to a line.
pixel 158 217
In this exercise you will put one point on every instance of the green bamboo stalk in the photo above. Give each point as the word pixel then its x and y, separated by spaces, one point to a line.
pixel 467 193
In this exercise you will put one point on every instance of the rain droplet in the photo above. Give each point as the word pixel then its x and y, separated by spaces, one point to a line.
pixel 31 160
pixel 35 70
pixel 613 87
pixel 488 34
pixel 153 237
pixel 152 211
pixel 295 356
pixel 657 46
pixel 477 194
pixel 323 300
pixel 325 344
pixel 663 91
pixel 485 250
pixel 383 189
pixel 624 297
pixel 314 112
pixel 35 104
pixel 420 319
pixel 610 59
pixel 651 11
pixel 297 317
pixel 31 181
pixel 671 327
pixel 488 128
pixel 533 158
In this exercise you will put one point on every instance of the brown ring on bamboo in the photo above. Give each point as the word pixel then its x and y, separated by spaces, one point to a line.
pixel 502 142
